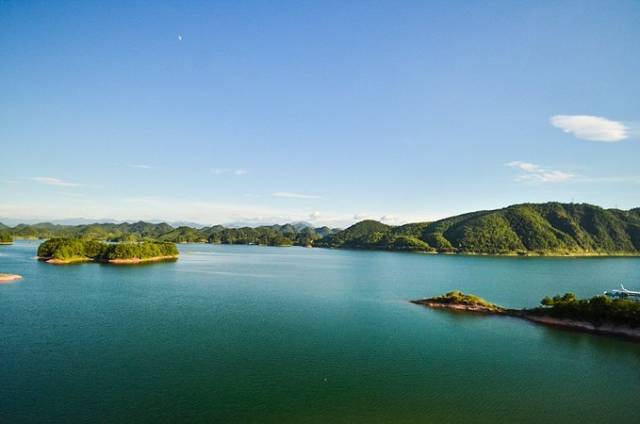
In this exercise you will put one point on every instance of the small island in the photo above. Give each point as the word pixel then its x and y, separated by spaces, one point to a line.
pixel 8 278
pixel 600 314
pixel 457 300
pixel 66 251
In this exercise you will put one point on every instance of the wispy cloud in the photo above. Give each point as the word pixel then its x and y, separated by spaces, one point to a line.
pixel 230 171
pixel 388 219
pixel 55 182
pixel 625 179
pixel 294 195
pixel 535 173
pixel 592 128
pixel 140 166
pixel 314 215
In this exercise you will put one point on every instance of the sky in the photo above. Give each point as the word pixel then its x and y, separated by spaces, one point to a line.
pixel 326 112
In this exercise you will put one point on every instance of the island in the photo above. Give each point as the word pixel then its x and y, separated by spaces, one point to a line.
pixel 67 251
pixel 460 301
pixel 7 278
pixel 600 314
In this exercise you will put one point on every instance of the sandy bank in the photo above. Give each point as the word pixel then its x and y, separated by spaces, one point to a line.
pixel 131 261
pixel 138 260
pixel 63 261
pixel 8 278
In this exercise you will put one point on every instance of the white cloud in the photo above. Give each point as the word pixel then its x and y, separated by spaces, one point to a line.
pixel 314 215
pixel 362 215
pixel 388 219
pixel 592 128
pixel 294 195
pixel 535 173
pixel 140 166
pixel 55 182
pixel 230 171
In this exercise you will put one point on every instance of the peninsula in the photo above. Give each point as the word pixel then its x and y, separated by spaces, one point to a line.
pixel 67 251
pixel 600 314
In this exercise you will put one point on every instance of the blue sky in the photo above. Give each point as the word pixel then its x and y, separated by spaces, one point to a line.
pixel 326 112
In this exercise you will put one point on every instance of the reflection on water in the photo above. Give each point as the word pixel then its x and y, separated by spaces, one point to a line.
pixel 255 334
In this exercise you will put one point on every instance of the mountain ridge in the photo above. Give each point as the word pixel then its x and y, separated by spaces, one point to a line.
pixel 551 228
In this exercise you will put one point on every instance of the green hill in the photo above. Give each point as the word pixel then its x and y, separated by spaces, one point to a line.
pixel 544 229
pixel 527 229
pixel 183 235
pixel 5 237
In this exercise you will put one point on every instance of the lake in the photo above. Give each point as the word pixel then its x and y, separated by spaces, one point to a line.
pixel 243 334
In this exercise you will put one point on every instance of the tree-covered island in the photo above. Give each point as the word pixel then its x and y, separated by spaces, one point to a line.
pixel 600 314
pixel 66 250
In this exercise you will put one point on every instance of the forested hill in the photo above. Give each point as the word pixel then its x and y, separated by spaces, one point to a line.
pixel 274 235
pixel 548 228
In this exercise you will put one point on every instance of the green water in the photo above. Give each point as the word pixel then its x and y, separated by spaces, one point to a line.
pixel 241 334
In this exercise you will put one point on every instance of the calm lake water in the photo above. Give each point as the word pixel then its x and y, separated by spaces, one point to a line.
pixel 241 334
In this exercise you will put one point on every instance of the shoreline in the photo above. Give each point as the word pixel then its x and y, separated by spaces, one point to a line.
pixel 9 278
pixel 133 261
pixel 605 329
pixel 130 261
pixel 54 261
pixel 478 309
pixel 523 254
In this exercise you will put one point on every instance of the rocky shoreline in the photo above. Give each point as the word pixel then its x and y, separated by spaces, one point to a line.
pixel 536 317
pixel 129 261
pixel 605 329
pixel 435 304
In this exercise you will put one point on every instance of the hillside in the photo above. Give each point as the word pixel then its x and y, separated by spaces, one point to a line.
pixel 274 235
pixel 371 234
pixel 5 237
pixel 525 229
pixel 544 229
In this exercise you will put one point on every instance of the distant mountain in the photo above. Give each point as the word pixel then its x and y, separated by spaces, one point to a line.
pixel 547 228
pixel 298 225
pixel 12 222
pixel 177 224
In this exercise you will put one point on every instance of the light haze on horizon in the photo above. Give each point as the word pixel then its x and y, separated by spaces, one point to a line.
pixel 327 112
